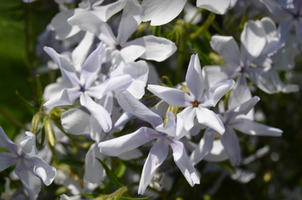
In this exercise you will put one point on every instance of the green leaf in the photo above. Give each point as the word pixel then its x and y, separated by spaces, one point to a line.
pixel 119 172
pixel 91 195
pixel 32 109
pixel 39 90
pixel 110 175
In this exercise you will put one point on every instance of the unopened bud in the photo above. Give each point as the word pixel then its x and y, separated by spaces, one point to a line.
pixel 35 124
pixel 50 135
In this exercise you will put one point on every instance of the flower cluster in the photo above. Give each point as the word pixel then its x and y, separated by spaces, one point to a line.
pixel 110 102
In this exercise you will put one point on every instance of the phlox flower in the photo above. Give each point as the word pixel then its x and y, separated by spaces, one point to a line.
pixel 197 101
pixel 164 135
pixel 28 164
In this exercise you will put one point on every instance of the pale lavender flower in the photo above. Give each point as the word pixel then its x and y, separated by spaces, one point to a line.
pixel 28 164
pixel 197 102
pixel 164 135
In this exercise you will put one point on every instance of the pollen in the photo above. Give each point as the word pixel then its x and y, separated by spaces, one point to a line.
pixel 195 104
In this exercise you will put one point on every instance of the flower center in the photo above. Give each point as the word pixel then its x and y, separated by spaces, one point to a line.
pixel 119 47
pixel 195 104
pixel 82 88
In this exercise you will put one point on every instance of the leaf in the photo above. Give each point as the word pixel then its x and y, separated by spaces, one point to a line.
pixel 32 109
pixel 129 198
pixel 119 172
pixel 91 195
pixel 110 175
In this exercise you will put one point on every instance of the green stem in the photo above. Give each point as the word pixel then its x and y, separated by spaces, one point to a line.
pixel 204 27
pixel 12 119
pixel 197 12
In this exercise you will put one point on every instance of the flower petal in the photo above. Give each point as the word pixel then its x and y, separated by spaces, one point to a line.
pixel 161 11
pixel 117 146
pixel 107 11
pixel 216 74
pixel 97 111
pixel 253 128
pixel 204 147
pixel 133 106
pixel 210 119
pixel 94 171
pixel 187 116
pixel 216 6
pixel 66 97
pixel 156 157
pixel 28 144
pixel 67 70
pixel 131 52
pixel 183 162
pixel 228 49
pixel 6 160
pixel 231 145
pixel 6 143
pixel 194 78
pixel 216 92
pixel 240 94
pixel 43 170
pixel 75 121
pixel 172 96
pixel 156 48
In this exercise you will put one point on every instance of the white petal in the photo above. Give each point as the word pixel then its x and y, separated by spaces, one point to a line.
pixel 161 11
pixel 227 48
pixel 131 52
pixel 130 155
pixel 170 126
pixel 172 96
pixel 210 119
pixel 6 143
pixel 194 78
pixel 107 11
pixel 216 6
pixel 130 21
pixel 204 147
pixel 117 146
pixel 97 111
pixel 157 48
pixel 31 183
pixel 93 168
pixel 67 70
pixel 6 160
pixel 65 97
pixel 231 145
pixel 253 128
pixel 217 74
pixel 43 170
pixel 217 154
pixel 92 65
pixel 61 27
pixel 75 121
pixel 216 92
pixel 240 94
pixel 183 163
pixel 133 106
pixel 91 23
pixel 80 52
pixel 187 116
pixel 28 144
pixel 156 157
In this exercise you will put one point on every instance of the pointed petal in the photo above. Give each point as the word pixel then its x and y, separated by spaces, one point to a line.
pixel 231 145
pixel 65 97
pixel 97 111
pixel 194 78
pixel 253 128
pixel 6 160
pixel 242 109
pixel 28 144
pixel 218 153
pixel 216 6
pixel 204 147
pixel 130 155
pixel 156 157
pixel 31 183
pixel 61 27
pixel 172 96
pixel 227 48
pixel 216 92
pixel 187 116
pixel 92 65
pixel 6 143
pixel 161 11
pixel 67 71
pixel 107 11
pixel 75 121
pixel 210 119
pixel 80 52
pixel 91 23
pixel 240 94
pixel 156 48
pixel 131 19
pixel 94 171
pixel 43 170
pixel 131 52
pixel 117 146
pixel 170 127
pixel 125 117
pixel 183 162
pixel 133 106
pixel 298 29
pixel 274 7
pixel 217 74
pixel 253 40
